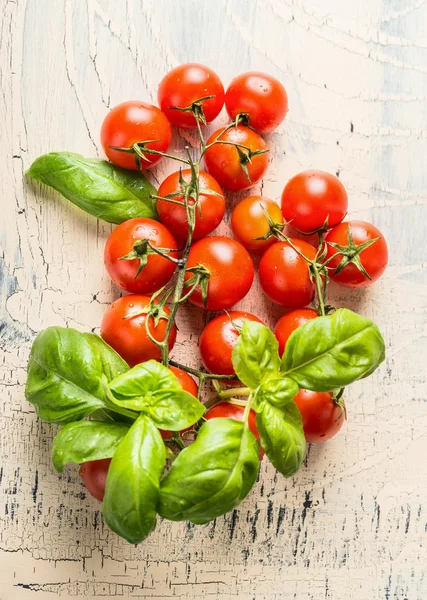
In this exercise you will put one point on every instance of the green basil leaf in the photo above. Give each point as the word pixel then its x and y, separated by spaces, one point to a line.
pixel 132 488
pixel 81 441
pixel 143 379
pixel 170 409
pixel 96 186
pixel 213 475
pixel 67 371
pixel 256 354
pixel 277 391
pixel 282 436
pixel 333 351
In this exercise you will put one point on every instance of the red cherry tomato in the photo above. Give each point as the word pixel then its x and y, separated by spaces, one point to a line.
pixel 373 258
pixel 291 321
pixel 94 474
pixel 124 240
pixel 209 214
pixel 261 97
pixel 127 334
pixel 228 410
pixel 219 338
pixel 223 161
pixel 184 85
pixel 132 122
pixel 188 385
pixel 249 222
pixel 230 268
pixel 311 197
pixel 284 274
pixel 322 418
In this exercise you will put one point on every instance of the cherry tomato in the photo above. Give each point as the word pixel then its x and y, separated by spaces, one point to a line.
pixel 291 321
pixel 94 474
pixel 128 335
pixel 184 85
pixel 188 385
pixel 124 241
pixel 228 410
pixel 311 197
pixel 322 418
pixel 209 214
pixel 230 272
pixel 372 258
pixel 132 122
pixel 248 222
pixel 224 163
pixel 284 274
pixel 219 338
pixel 261 97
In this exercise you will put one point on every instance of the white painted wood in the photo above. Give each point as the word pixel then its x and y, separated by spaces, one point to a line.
pixel 352 523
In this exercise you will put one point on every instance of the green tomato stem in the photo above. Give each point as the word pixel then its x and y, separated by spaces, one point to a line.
pixel 242 391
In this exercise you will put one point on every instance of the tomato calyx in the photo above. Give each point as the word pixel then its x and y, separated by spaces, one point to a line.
pixel 196 108
pixel 351 253
pixel 338 399
pixel 140 149
pixel 245 157
pixel 142 249
pixel 201 276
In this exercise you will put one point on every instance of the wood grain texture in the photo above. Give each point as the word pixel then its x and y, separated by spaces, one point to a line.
pixel 352 524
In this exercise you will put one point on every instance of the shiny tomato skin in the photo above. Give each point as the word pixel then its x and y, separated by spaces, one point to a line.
pixel 128 335
pixel 228 410
pixel 222 160
pixel 131 122
pixel 248 221
pixel 312 196
pixel 188 385
pixel 218 339
pixel 231 271
pixel 94 474
pixel 284 275
pixel 291 321
pixel 374 258
pixel 156 272
pixel 262 97
pixel 212 206
pixel 184 85
pixel 322 418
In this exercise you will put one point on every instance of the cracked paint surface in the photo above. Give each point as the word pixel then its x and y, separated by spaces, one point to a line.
pixel 353 522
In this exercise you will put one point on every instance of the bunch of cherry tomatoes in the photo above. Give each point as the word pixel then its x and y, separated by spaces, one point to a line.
pixel 142 255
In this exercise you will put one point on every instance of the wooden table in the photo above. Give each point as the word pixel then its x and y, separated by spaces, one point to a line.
pixel 352 523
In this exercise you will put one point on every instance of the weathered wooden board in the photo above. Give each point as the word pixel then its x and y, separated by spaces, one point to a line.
pixel 352 524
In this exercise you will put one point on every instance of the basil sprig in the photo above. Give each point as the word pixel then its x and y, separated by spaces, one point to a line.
pixel 96 186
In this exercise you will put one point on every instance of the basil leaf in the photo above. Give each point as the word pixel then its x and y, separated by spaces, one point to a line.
pixel 67 371
pixel 132 489
pixel 277 391
pixel 96 186
pixel 282 436
pixel 170 409
pixel 256 354
pixel 213 475
pixel 81 441
pixel 333 351
pixel 143 379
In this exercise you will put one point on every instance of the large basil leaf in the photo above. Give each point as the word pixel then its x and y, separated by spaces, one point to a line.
pixel 143 379
pixel 81 441
pixel 333 351
pixel 278 391
pixel 282 436
pixel 66 374
pixel 211 476
pixel 132 489
pixel 256 354
pixel 96 186
pixel 112 363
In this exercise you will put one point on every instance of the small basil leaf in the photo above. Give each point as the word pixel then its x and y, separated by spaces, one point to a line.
pixel 132 488
pixel 81 441
pixel 143 379
pixel 255 355
pixel 282 436
pixel 65 376
pixel 333 351
pixel 96 186
pixel 277 391
pixel 173 409
pixel 213 475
